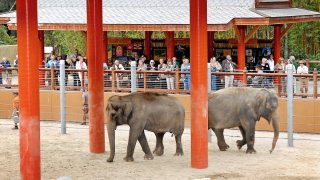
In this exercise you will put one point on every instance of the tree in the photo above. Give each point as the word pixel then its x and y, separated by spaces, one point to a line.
pixel 4 37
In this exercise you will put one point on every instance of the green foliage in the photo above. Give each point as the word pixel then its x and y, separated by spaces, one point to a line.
pixel 5 38
pixel 5 5
pixel 65 42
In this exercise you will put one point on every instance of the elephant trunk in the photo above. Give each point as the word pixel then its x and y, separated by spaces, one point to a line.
pixel 275 124
pixel 111 127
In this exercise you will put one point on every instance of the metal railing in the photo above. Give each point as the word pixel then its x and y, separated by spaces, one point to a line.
pixel 156 81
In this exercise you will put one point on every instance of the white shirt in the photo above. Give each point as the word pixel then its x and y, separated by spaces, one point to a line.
pixel 302 70
pixel 271 64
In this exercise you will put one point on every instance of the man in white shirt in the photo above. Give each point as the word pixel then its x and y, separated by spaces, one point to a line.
pixel 302 69
pixel 270 61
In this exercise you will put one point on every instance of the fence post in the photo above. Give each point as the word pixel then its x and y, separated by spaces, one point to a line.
pixel 144 81
pixel 177 81
pixel 82 82
pixel 52 77
pixel 245 77
pixel 279 79
pixel 133 76
pixel 209 90
pixel 113 78
pixel 290 103
pixel 62 97
pixel 315 83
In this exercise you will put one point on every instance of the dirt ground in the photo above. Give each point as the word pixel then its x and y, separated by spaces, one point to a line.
pixel 68 156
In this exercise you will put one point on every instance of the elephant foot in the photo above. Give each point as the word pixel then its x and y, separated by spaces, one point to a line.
pixel 251 151
pixel 110 160
pixel 148 157
pixel 241 143
pixel 223 147
pixel 158 152
pixel 128 159
pixel 179 153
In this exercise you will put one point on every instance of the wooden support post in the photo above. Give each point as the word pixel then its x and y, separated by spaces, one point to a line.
pixel 241 47
pixel 28 53
pixel 199 84
pixel 315 83
pixel 251 33
pixel 95 76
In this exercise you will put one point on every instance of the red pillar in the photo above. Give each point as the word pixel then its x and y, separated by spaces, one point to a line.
pixel 95 75
pixel 277 42
pixel 147 44
pixel 105 47
pixel 210 44
pixel 41 57
pixel 27 29
pixel 241 48
pixel 199 84
pixel 170 44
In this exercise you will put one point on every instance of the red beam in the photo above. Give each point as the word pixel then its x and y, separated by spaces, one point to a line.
pixel 241 47
pixel 147 44
pixel 170 44
pixel 210 44
pixel 95 75
pixel 105 47
pixel 28 54
pixel 277 42
pixel 199 85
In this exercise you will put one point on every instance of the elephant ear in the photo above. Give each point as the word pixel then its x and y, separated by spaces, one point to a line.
pixel 262 97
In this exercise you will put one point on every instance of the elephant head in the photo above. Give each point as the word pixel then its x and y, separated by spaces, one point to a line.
pixel 119 110
pixel 268 109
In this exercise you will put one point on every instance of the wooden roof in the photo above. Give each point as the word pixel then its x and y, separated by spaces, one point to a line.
pixel 164 15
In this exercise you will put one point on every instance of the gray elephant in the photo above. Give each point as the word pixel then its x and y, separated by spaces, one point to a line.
pixel 242 107
pixel 154 112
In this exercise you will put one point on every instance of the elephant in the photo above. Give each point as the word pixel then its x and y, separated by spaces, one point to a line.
pixel 242 107
pixel 155 112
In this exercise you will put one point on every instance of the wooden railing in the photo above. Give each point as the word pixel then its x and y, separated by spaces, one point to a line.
pixel 111 82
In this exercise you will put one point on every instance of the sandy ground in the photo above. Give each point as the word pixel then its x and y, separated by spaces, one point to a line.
pixel 68 155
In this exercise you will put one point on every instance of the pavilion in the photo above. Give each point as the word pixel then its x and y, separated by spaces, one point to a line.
pixel 95 16
pixel 170 16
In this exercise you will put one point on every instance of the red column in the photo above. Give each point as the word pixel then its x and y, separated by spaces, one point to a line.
pixel 105 47
pixel 41 57
pixel 241 48
pixel 27 28
pixel 147 44
pixel 277 42
pixel 210 44
pixel 170 44
pixel 199 84
pixel 95 75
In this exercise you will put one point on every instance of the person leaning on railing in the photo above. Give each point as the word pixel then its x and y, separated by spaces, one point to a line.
pixel 302 69
pixel 6 64
pixel 228 66
pixel 280 68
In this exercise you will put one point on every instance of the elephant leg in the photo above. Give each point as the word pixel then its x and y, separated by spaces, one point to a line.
pixel 220 139
pixel 133 137
pixel 145 147
pixel 159 144
pixel 179 150
pixel 250 132
pixel 242 142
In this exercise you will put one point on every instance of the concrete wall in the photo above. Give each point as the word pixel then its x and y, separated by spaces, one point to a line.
pixel 306 111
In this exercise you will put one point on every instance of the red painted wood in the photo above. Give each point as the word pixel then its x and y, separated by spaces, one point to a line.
pixel 95 76
pixel 277 43
pixel 28 54
pixel 241 47
pixel 105 47
pixel 170 44
pixel 147 44
pixel 199 84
